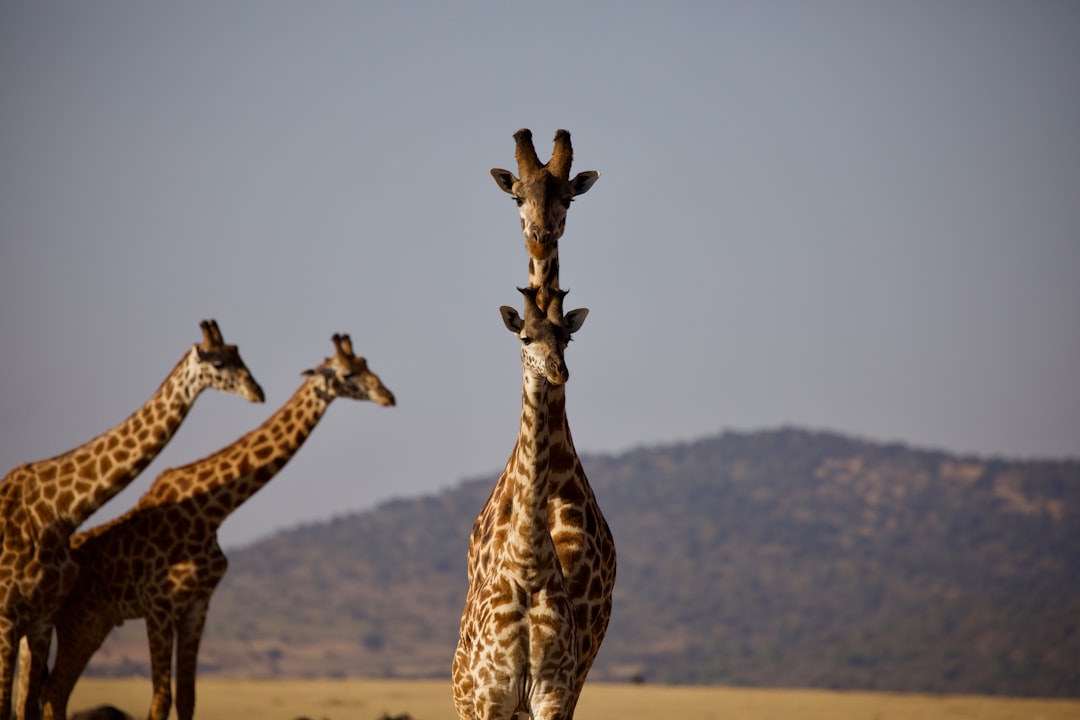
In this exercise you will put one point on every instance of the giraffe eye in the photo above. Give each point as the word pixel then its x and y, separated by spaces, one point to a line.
pixel 526 340
pixel 519 201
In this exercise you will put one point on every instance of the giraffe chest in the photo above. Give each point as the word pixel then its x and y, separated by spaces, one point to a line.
pixel 38 582
pixel 517 605
pixel 38 570
pixel 530 564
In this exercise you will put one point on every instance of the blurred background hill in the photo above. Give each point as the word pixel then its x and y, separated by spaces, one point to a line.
pixel 771 558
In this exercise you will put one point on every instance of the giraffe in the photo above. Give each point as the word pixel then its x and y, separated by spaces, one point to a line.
pixel 581 535
pixel 516 647
pixel 41 503
pixel 161 560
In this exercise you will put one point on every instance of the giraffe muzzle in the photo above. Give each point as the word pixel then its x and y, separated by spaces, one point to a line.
pixel 557 373
pixel 255 393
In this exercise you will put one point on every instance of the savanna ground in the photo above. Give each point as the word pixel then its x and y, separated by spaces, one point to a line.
pixel 430 700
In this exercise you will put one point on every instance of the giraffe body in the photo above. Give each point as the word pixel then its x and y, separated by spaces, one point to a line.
pixel 42 503
pixel 582 538
pixel 161 560
pixel 516 647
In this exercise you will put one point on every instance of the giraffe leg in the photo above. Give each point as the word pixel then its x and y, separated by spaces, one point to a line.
pixel 8 654
pixel 464 682
pixel 550 705
pixel 187 656
pixel 497 699
pixel 33 667
pixel 551 698
pixel 159 631
pixel 78 636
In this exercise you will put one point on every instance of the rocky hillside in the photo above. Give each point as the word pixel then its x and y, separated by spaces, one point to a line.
pixel 785 558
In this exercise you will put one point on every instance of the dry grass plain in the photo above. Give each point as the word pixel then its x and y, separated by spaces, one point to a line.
pixel 430 700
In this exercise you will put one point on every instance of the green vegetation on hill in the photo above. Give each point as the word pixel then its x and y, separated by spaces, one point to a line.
pixel 784 558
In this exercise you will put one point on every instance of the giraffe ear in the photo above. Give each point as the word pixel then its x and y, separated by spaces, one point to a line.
pixel 511 319
pixel 504 179
pixel 575 319
pixel 583 181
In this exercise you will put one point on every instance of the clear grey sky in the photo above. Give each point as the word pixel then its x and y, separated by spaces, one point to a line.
pixel 862 217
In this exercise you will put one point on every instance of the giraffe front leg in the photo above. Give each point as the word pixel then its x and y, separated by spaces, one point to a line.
pixel 551 696
pixel 552 658
pixel 79 634
pixel 159 631
pixel 189 634
pixel 500 685
pixel 551 704
pixel 464 681
pixel 8 654
pixel 33 666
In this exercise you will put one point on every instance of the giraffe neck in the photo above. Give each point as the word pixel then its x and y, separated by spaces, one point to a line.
pixel 216 486
pixel 80 481
pixel 545 273
pixel 527 475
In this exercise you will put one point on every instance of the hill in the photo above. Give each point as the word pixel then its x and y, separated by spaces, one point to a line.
pixel 780 558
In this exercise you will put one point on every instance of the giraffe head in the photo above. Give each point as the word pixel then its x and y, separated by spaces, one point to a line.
pixel 544 192
pixel 346 375
pixel 544 333
pixel 219 365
